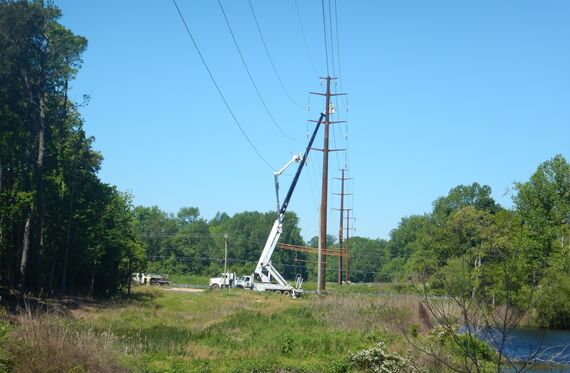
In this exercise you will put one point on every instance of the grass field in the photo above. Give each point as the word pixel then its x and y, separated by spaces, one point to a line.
pixel 212 331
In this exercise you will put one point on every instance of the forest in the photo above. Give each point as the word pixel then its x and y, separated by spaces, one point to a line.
pixel 64 231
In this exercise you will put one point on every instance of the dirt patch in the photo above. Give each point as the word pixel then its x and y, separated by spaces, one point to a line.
pixel 185 290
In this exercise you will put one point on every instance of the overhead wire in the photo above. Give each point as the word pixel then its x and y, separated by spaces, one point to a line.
pixel 340 80
pixel 251 77
pixel 334 129
pixel 325 35
pixel 338 50
pixel 368 254
pixel 246 261
pixel 271 59
pixel 219 89
pixel 331 35
pixel 305 39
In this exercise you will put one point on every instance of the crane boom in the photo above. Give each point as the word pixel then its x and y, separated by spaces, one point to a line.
pixel 264 269
pixel 276 174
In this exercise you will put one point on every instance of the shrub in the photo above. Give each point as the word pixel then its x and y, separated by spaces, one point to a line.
pixel 45 343
pixel 553 304
pixel 378 360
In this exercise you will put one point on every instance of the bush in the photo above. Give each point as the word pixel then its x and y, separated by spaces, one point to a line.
pixel 45 343
pixel 378 360
pixel 4 333
pixel 553 304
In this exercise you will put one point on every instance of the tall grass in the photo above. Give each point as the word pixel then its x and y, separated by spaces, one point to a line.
pixel 50 343
pixel 237 331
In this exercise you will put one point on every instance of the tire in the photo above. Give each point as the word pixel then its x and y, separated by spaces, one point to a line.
pixel 215 287
pixel 239 286
pixel 286 293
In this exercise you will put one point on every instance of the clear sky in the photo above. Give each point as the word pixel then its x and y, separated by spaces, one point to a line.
pixel 440 93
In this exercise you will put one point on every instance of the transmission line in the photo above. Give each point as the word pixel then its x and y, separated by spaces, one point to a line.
pixel 305 39
pixel 338 50
pixel 331 41
pixel 271 59
pixel 325 35
pixel 251 77
pixel 218 88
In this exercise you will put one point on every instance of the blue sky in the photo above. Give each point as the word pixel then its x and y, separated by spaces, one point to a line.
pixel 440 93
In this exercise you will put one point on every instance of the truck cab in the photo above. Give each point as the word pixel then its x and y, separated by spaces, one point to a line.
pixel 228 279
pixel 245 282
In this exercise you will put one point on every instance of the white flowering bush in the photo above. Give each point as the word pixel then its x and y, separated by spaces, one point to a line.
pixel 440 334
pixel 378 360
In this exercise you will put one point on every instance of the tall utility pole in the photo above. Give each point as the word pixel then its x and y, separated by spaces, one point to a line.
pixel 322 256
pixel 346 271
pixel 226 236
pixel 342 252
pixel 324 194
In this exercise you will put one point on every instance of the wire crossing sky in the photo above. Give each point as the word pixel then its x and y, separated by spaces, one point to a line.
pixel 441 94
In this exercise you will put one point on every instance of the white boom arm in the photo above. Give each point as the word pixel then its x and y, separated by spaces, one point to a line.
pixel 265 258
pixel 276 174
pixel 264 268
pixel 264 262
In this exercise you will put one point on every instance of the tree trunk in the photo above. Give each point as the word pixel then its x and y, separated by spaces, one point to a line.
pixel 38 176
pixel 25 250
pixel 67 240
pixel 129 280
pixel 39 229
pixel 93 279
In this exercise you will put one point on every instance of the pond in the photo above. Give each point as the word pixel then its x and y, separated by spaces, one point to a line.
pixel 549 350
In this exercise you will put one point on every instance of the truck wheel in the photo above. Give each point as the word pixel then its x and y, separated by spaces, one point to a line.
pixel 215 287
pixel 239 286
pixel 286 293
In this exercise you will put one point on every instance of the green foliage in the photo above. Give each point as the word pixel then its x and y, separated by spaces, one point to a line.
pixel 5 329
pixel 474 195
pixel 544 204
pixel 75 231
pixel 553 304
pixel 188 244
pixel 367 257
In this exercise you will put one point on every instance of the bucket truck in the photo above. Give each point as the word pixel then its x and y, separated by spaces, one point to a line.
pixel 266 277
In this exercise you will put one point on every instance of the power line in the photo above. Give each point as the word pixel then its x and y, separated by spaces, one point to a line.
pixel 271 59
pixel 305 39
pixel 332 43
pixel 218 88
pixel 250 76
pixel 325 35
pixel 338 49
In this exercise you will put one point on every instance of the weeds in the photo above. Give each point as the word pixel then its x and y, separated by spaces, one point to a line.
pixel 160 331
pixel 49 343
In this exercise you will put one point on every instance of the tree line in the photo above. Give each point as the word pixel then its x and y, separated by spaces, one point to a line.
pixel 61 228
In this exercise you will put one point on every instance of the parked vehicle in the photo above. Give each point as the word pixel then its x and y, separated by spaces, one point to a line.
pixel 245 282
pixel 223 281
pixel 152 279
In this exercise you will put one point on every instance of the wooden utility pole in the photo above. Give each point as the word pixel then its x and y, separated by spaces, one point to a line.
pixel 324 194
pixel 322 255
pixel 341 227
pixel 346 271
pixel 226 279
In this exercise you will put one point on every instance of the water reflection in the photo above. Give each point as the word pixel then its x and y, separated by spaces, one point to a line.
pixel 548 350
